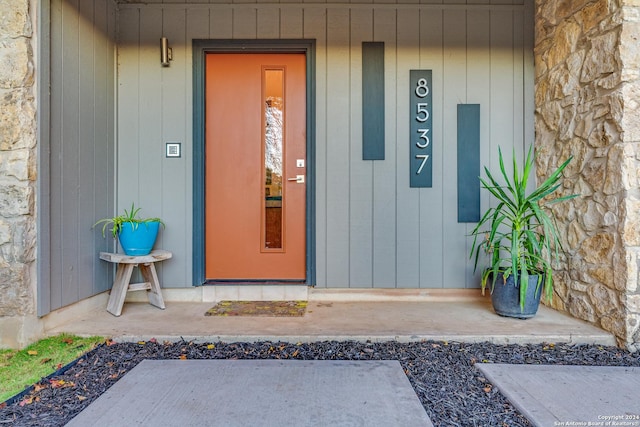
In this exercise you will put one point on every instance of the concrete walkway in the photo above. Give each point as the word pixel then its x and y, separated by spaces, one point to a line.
pixel 570 395
pixel 462 317
pixel 248 393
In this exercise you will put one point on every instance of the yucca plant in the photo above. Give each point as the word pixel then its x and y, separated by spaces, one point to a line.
pixel 519 234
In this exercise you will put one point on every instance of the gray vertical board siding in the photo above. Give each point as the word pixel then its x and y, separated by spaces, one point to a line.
pixel 80 161
pixel 361 172
pixel 198 22
pixel 86 148
pixel 384 173
pixel 372 100
pixel 315 28
pixel 502 94
pixel 128 108
pixel 478 91
pixel 407 199
pixel 244 23
pixel 147 145
pixel 105 129
pixel 159 100
pixel 338 161
pixel 528 68
pixel 522 128
pixel 221 26
pixel 291 23
pixel 468 164
pixel 43 184
pixel 454 89
pixel 518 74
pixel 431 212
pixel 371 229
pixel 70 181
pixel 104 196
pixel 55 143
pixel 131 93
pixel 175 173
pixel 268 24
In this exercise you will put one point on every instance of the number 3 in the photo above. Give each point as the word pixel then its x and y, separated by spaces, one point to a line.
pixel 425 137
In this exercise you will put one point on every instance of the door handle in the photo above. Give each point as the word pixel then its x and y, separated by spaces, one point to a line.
pixel 298 179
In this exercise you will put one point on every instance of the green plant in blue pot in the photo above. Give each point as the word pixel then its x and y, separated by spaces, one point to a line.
pixel 520 237
pixel 136 235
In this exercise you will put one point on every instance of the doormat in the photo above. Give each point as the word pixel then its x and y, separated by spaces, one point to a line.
pixel 258 308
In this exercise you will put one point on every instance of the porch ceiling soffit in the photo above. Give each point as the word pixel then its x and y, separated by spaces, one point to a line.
pixel 125 4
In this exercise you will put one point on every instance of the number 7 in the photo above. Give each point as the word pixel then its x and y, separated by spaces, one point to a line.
pixel 424 158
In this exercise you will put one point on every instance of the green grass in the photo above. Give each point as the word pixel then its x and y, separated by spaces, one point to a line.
pixel 20 369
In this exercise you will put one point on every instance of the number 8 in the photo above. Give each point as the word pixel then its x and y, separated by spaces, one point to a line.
pixel 422 89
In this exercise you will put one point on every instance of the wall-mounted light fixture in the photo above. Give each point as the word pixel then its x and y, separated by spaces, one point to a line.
pixel 166 53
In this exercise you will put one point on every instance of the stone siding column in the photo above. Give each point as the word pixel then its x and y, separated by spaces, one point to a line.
pixel 587 106
pixel 17 172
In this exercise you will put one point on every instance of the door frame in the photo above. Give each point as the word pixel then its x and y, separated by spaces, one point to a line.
pixel 201 47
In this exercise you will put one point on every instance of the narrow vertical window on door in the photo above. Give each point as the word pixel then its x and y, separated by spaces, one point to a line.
pixel 273 148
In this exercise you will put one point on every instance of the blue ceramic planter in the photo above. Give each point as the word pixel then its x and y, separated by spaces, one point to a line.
pixel 138 238
pixel 506 297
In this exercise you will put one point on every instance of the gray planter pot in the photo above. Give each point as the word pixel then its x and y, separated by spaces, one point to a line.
pixel 506 297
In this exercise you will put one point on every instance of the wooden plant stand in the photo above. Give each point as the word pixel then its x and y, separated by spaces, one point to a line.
pixel 121 284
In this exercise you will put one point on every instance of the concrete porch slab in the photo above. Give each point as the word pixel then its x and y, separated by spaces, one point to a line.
pixel 443 318
pixel 259 393
pixel 570 395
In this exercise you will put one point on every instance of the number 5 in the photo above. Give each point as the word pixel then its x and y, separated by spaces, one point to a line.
pixel 422 109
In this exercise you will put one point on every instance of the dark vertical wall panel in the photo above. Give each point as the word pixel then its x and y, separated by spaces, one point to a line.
pixel 468 162
pixel 373 101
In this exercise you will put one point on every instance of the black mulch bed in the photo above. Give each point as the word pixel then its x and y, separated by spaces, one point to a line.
pixel 443 374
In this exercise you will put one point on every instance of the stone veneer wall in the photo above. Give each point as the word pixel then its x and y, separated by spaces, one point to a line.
pixel 17 172
pixel 587 58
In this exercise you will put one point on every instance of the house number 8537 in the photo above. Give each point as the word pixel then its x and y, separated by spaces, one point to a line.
pixel 421 163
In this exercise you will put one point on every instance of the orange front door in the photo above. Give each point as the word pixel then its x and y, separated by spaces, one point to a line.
pixel 255 186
